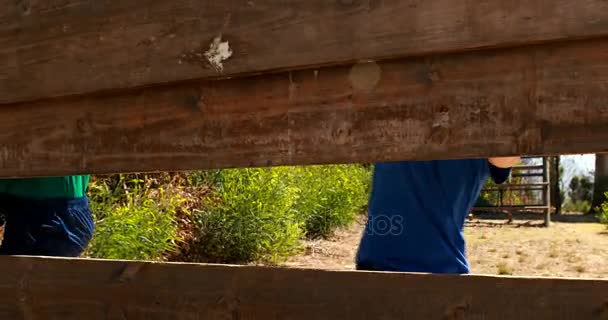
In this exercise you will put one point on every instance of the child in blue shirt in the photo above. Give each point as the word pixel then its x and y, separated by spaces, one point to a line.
pixel 417 211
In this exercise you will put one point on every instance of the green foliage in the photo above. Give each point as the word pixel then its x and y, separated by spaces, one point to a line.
pixel 251 220
pixel 509 197
pixel 580 194
pixel 580 189
pixel 204 178
pixel 603 211
pixel 600 187
pixel 261 214
pixel 138 232
pixel 330 197
pixel 576 206
pixel 227 216
pixel 135 217
pixel 488 198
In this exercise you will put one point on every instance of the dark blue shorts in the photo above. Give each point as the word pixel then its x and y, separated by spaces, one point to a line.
pixel 57 227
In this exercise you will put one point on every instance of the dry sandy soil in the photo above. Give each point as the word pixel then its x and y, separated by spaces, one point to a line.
pixel 574 246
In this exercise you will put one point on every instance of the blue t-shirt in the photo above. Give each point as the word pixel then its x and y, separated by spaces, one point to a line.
pixel 417 212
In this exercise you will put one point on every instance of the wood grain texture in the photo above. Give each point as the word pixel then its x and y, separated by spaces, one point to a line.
pixel 36 288
pixel 547 99
pixel 52 48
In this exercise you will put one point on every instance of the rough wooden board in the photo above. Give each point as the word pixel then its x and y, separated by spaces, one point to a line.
pixel 37 288
pixel 548 99
pixel 59 47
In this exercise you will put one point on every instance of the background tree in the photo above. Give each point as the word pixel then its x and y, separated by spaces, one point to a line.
pixel 555 173
pixel 581 189
pixel 601 180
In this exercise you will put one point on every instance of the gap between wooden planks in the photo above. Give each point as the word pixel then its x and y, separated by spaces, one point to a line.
pixel 58 48
pixel 545 99
pixel 47 288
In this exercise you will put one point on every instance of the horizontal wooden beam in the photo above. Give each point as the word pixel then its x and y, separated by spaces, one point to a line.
pixel 36 288
pixel 507 207
pixel 529 167
pixel 548 99
pixel 57 48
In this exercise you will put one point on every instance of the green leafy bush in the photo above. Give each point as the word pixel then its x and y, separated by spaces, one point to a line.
pixel 330 197
pixel 576 206
pixel 251 218
pixel 137 232
pixel 603 212
pixel 135 217
pixel 225 216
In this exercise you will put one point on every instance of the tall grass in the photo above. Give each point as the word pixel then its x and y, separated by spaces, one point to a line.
pixel 136 216
pixel 330 197
pixel 227 216
pixel 251 218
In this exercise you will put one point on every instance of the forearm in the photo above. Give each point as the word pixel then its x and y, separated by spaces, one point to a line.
pixel 504 162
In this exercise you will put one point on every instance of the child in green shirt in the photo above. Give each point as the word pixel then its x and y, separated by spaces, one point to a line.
pixel 45 216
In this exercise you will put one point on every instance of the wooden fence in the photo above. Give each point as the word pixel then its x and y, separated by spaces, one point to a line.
pixel 148 85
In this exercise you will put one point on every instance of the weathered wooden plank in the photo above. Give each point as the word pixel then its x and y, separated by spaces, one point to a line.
pixel 547 99
pixel 36 288
pixel 60 47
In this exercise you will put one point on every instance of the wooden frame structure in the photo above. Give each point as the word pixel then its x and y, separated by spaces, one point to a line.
pixel 146 85
pixel 526 172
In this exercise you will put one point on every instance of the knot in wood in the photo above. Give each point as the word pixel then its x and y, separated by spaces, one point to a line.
pixel 365 76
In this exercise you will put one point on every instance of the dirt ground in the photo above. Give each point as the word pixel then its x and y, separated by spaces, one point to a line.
pixel 574 246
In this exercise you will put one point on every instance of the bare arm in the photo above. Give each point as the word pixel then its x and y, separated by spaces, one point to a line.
pixel 504 162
